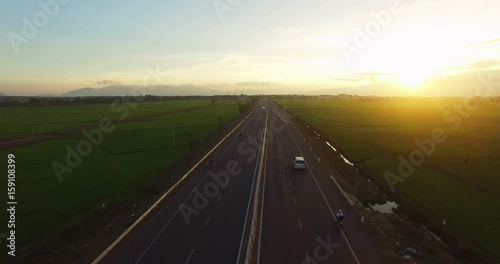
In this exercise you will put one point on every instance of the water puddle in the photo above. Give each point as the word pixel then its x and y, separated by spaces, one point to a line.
pixel 342 156
pixel 384 208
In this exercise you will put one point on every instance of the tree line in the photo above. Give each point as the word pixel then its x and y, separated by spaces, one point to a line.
pixel 54 101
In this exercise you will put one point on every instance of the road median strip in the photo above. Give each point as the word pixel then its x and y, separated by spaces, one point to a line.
pixel 256 224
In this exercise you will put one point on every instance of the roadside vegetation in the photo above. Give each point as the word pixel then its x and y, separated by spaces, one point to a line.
pixel 457 182
pixel 153 137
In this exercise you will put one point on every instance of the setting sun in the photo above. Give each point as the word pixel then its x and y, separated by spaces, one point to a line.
pixel 413 79
pixel 410 59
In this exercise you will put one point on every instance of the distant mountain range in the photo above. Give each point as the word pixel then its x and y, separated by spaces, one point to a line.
pixel 434 88
pixel 160 90
pixel 456 85
pixel 171 90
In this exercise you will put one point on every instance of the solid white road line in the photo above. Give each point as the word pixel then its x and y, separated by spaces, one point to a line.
pixel 254 182
pixel 326 201
pixel 171 189
pixel 255 224
pixel 172 217
pixel 120 238
pixel 262 208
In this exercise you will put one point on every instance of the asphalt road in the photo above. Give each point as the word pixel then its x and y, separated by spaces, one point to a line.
pixel 298 213
pixel 208 219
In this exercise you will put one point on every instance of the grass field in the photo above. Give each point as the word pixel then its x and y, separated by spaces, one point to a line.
pixel 132 154
pixel 19 121
pixel 373 134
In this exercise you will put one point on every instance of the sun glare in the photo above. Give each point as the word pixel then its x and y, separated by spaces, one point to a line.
pixel 409 58
pixel 413 79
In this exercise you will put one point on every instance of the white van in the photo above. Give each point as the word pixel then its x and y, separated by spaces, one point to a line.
pixel 299 163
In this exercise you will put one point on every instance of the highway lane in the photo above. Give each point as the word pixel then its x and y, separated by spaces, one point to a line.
pixel 298 221
pixel 187 228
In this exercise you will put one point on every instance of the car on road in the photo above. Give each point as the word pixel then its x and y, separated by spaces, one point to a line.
pixel 299 163
pixel 263 109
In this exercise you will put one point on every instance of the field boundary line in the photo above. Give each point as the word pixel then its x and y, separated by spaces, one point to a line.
pixel 145 214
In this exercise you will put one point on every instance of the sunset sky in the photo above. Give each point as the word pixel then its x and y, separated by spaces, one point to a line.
pixel 299 43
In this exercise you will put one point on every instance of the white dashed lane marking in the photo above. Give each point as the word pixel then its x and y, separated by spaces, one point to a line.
pixel 208 220
pixel 190 256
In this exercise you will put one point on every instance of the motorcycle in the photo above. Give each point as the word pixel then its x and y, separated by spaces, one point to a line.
pixel 340 223
pixel 339 217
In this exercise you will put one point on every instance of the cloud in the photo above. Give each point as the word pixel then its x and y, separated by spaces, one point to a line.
pixel 366 77
pixel 477 66
pixel 260 84
pixel 347 79
pixel 485 42
pixel 374 76
pixel 107 82
pixel 484 64
pixel 495 74
pixel 239 59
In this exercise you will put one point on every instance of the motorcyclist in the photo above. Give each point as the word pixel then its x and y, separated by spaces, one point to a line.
pixel 211 163
pixel 340 215
pixel 240 135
